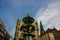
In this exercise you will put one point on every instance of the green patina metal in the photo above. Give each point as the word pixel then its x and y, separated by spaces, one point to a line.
pixel 28 14
pixel 41 26
pixel 18 18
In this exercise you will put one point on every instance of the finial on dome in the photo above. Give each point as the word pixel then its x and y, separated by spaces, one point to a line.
pixel 28 13
pixel 18 18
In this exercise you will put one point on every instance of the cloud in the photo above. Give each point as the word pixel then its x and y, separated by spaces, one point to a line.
pixel 49 15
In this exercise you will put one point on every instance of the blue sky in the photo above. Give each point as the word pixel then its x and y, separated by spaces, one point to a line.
pixel 45 10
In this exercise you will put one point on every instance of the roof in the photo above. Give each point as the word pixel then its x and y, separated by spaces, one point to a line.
pixel 54 30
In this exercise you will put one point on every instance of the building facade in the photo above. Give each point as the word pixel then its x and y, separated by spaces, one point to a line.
pixel 4 35
pixel 50 34
pixel 26 29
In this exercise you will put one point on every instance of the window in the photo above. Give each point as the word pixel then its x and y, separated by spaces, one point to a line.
pixel 1 29
pixel 57 39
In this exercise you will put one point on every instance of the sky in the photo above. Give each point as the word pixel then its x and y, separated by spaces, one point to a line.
pixel 47 11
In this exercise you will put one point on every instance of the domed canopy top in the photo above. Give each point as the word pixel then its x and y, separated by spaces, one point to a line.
pixel 28 19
